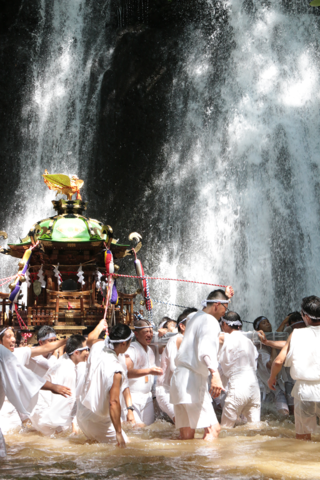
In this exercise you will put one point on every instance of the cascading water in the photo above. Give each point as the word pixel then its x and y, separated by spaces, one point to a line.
pixel 239 200
pixel 58 121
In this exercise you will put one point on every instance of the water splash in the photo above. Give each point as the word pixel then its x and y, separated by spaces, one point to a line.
pixel 239 199
pixel 59 115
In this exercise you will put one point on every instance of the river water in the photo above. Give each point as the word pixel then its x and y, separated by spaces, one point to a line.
pixel 269 451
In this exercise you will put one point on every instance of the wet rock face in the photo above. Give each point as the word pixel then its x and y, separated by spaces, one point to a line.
pixel 136 109
pixel 18 24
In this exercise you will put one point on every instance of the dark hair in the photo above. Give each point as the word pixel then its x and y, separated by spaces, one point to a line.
pixel 217 295
pixel 166 319
pixel 294 317
pixel 311 305
pixel 184 315
pixel 233 317
pixel 258 319
pixel 74 342
pixel 43 331
pixel 119 332
pixel 142 323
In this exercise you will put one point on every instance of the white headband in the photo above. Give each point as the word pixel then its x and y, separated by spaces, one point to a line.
pixel 313 318
pixel 258 323
pixel 2 331
pixel 49 335
pixel 205 302
pixel 78 350
pixel 122 340
pixel 145 326
pixel 231 322
pixel 296 323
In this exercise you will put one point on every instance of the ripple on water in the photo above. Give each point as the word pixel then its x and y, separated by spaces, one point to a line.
pixel 268 451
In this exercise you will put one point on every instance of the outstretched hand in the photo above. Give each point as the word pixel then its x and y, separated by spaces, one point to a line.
pixel 262 336
pixel 229 291
pixel 156 371
pixel 61 390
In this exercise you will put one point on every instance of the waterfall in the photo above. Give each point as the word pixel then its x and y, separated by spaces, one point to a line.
pixel 239 199
pixel 237 202
pixel 59 116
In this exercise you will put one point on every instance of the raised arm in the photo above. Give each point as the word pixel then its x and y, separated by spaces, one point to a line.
pixel 278 344
pixel 48 348
pixel 283 324
pixel 93 336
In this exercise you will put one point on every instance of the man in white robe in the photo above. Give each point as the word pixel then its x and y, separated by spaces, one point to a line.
pixel 140 361
pixel 168 364
pixel 196 359
pixel 41 363
pixel 21 386
pixel 54 414
pixel 98 335
pixel 238 362
pixel 301 353
pixel 99 409
pixel 9 417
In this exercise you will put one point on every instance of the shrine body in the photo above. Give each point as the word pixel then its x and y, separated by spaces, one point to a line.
pixel 66 278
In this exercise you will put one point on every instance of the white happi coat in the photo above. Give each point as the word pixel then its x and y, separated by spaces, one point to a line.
pixel 20 385
pixel 238 360
pixel 189 384
pixel 10 418
pixel 40 364
pixel 141 388
pixel 163 382
pixel 303 359
pixel 93 409
pixel 54 413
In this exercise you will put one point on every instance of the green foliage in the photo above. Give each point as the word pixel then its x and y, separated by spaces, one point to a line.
pixel 315 3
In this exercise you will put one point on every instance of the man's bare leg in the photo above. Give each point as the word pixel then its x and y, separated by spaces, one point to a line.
pixel 211 433
pixel 186 433
pixel 303 436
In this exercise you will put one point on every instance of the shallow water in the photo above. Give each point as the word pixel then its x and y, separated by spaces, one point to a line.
pixel 267 452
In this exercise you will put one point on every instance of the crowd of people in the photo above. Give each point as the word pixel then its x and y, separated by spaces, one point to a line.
pixel 208 367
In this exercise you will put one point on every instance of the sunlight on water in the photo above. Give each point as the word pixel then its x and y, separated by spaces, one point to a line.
pixel 267 452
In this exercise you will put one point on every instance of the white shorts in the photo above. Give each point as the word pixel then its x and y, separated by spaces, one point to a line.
pixel 100 430
pixel 143 407
pixel 163 399
pixel 195 415
pixel 305 416
pixel 241 400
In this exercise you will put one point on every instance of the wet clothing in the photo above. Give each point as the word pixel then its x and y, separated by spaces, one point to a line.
pixel 93 405
pixel 189 384
pixel 55 413
pixel 237 359
pixel 142 388
pixel 40 364
pixel 20 385
pixel 163 382
pixel 303 358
